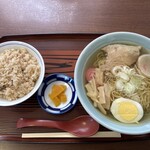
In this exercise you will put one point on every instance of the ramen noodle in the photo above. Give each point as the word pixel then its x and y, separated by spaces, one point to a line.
pixel 117 64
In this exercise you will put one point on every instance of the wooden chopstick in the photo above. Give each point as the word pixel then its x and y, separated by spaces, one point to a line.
pixel 101 134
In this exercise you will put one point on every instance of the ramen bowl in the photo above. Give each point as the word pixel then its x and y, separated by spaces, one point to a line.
pixel 84 61
pixel 34 52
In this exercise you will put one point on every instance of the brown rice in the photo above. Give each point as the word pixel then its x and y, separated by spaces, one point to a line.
pixel 19 71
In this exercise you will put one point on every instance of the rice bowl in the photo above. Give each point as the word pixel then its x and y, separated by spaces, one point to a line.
pixel 30 52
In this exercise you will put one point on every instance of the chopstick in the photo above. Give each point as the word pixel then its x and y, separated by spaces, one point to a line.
pixel 101 134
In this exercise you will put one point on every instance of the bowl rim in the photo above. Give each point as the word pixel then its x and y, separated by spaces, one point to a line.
pixel 84 100
pixel 42 73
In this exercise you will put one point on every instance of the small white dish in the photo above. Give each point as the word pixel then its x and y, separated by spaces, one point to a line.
pixel 46 87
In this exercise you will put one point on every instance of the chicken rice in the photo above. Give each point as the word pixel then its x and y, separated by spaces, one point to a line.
pixel 19 71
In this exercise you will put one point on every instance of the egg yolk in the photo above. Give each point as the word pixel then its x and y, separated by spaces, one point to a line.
pixel 127 111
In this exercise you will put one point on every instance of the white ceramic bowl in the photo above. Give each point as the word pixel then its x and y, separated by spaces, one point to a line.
pixel 34 52
pixel 82 64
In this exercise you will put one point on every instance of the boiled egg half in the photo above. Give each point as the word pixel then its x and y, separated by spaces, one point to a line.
pixel 126 110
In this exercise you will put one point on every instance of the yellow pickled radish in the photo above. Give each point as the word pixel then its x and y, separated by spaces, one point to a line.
pixel 58 95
